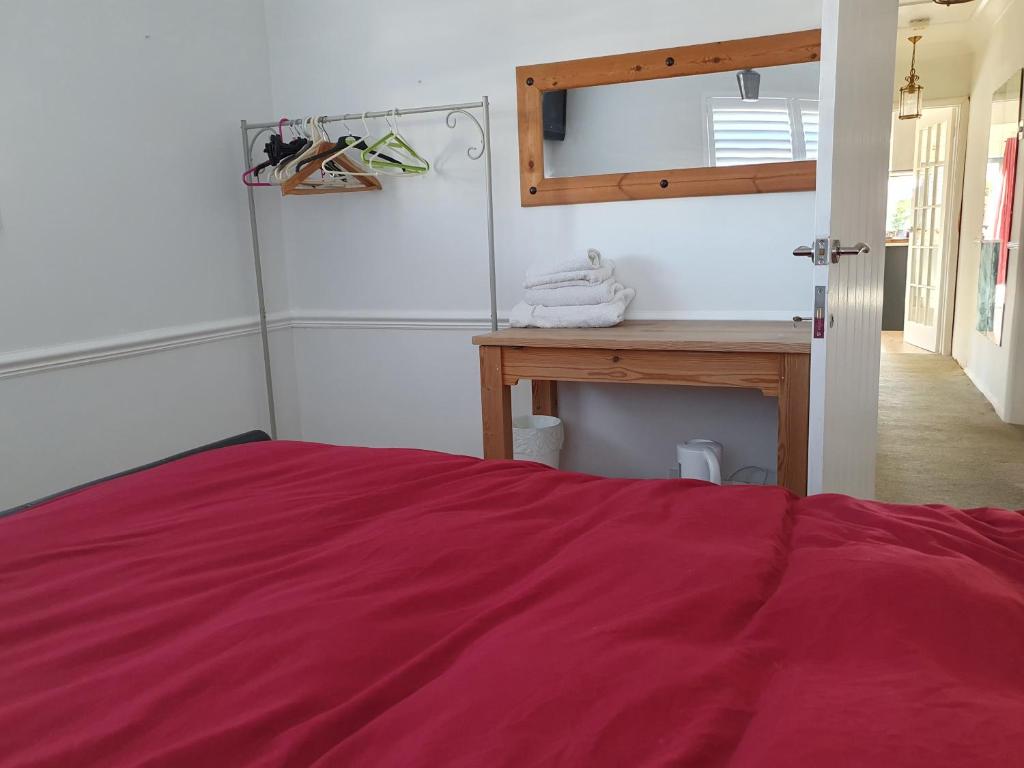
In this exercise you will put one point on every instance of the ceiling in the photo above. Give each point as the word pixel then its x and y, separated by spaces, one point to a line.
pixel 938 23
pixel 939 14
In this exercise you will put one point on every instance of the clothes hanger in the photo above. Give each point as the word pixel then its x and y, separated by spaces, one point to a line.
pixel 256 169
pixel 321 143
pixel 409 162
pixel 344 158
pixel 350 140
pixel 285 169
pixel 300 184
pixel 275 149
pixel 347 158
pixel 343 140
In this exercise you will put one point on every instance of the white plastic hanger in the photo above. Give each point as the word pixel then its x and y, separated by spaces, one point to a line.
pixel 328 178
pixel 350 153
pixel 281 171
pixel 315 134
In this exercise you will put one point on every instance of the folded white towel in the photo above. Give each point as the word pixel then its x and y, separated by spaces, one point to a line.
pixel 573 295
pixel 610 313
pixel 572 264
pixel 572 276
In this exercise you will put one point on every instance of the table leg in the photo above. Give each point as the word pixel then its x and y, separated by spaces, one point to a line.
pixel 545 398
pixel 496 404
pixel 794 398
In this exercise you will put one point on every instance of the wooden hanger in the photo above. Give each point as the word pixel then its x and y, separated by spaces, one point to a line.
pixel 298 183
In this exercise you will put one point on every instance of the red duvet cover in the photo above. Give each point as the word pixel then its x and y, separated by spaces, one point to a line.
pixel 300 604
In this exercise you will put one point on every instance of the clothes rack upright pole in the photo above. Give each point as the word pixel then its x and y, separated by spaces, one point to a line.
pixel 490 213
pixel 485 152
pixel 264 335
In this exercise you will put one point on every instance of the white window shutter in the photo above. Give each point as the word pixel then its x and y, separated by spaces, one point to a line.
pixel 741 133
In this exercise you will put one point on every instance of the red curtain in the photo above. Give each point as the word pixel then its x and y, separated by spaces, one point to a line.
pixel 1005 220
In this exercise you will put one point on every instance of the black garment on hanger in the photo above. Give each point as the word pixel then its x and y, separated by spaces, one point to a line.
pixel 277 149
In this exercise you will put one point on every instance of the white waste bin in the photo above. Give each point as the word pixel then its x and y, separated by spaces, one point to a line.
pixel 537 438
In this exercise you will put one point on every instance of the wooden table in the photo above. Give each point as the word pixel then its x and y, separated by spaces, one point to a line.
pixel 773 357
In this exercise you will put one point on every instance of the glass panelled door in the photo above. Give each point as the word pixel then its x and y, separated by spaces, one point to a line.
pixel 926 252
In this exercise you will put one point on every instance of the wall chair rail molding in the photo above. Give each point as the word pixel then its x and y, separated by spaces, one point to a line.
pixel 41 359
pixel 477 321
pixel 24 362
pixel 399 321
pixel 534 81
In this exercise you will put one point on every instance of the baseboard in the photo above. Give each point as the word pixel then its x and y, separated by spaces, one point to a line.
pixel 41 359
pixel 986 392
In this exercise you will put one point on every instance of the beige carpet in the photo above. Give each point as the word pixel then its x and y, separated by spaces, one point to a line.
pixel 940 442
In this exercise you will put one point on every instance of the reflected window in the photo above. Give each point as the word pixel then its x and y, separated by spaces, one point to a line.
pixel 770 130
pixel 899 206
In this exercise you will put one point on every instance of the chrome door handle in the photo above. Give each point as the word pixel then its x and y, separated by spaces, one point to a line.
pixel 834 250
pixel 848 250
pixel 818 253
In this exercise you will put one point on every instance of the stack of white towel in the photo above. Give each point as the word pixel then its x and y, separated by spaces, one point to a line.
pixel 572 293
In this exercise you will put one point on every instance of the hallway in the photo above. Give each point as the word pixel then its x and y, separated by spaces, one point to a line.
pixel 939 439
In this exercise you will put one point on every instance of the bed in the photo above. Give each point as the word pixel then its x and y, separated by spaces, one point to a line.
pixel 281 603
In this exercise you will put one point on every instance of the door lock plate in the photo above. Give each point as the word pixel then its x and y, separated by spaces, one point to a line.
pixel 820 295
pixel 822 251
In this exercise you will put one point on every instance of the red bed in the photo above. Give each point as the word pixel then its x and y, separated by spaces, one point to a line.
pixel 297 604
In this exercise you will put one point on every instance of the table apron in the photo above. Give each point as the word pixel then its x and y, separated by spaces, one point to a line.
pixel 763 371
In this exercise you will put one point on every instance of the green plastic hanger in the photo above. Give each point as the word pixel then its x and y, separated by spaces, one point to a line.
pixel 396 145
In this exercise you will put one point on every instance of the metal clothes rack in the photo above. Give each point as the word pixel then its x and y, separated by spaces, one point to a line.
pixel 475 153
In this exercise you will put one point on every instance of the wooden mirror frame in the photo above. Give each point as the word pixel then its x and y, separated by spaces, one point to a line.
pixel 754 53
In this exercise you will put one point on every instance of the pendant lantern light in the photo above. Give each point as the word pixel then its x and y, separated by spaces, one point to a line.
pixel 750 85
pixel 912 94
pixel 953 2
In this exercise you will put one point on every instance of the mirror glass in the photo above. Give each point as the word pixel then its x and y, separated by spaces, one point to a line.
pixel 1000 178
pixel 698 121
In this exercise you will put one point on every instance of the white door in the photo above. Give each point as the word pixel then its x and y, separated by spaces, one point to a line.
pixel 857 61
pixel 933 155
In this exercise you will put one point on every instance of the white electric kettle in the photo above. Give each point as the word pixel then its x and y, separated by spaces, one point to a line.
pixel 700 460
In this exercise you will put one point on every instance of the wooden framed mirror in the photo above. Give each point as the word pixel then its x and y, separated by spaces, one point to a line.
pixel 1005 130
pixel 728 118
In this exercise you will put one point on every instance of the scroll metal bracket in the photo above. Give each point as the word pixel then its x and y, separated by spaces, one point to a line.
pixel 451 119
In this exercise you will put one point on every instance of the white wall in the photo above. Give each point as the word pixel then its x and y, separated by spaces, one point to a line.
pixel 126 304
pixel 997 370
pixel 123 227
pixel 944 66
pixel 69 426
pixel 417 250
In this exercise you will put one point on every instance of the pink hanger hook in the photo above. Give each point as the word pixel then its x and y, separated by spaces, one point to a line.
pixel 245 179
